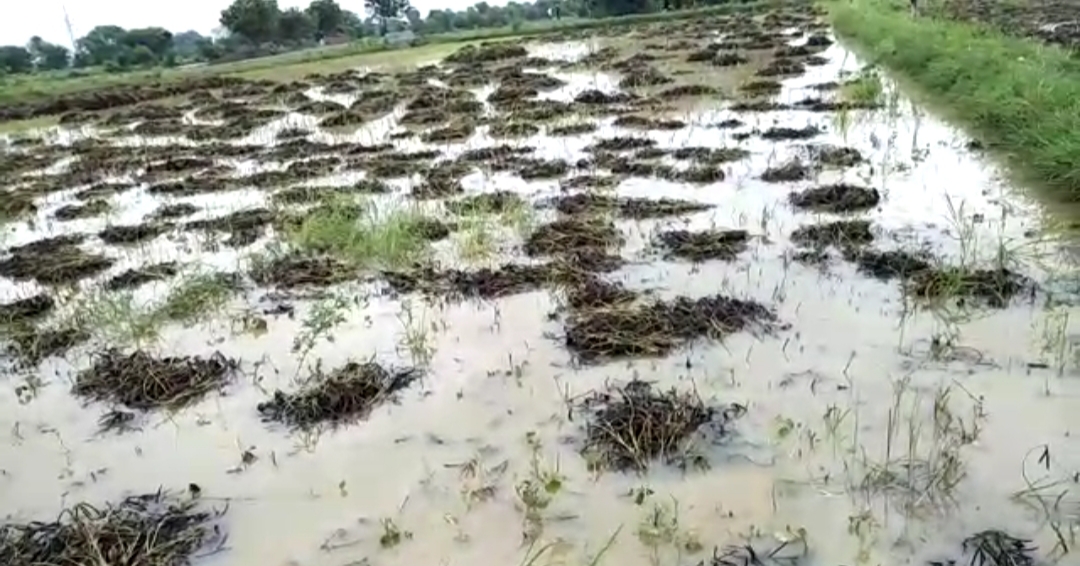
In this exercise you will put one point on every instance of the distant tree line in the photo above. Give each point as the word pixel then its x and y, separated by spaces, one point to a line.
pixel 251 28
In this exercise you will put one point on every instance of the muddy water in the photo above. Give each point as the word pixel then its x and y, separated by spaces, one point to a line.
pixel 498 373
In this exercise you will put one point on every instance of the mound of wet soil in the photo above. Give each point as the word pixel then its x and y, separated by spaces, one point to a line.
pixel 53 261
pixel 142 381
pixel 626 207
pixel 657 328
pixel 836 198
pixel 706 245
pixel 155 529
pixel 349 392
pixel 630 425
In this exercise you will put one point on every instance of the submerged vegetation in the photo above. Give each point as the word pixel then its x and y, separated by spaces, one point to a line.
pixel 723 246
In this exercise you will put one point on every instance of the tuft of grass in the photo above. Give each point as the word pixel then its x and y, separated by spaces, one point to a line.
pixel 117 319
pixel 866 88
pixel 1021 96
pixel 367 236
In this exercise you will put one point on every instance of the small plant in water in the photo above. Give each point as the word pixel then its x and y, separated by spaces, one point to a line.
pixel 537 491
pixel 660 530
pixel 392 535
pixel 324 316
pixel 416 334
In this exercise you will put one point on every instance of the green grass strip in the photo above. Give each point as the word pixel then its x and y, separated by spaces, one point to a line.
pixel 1020 96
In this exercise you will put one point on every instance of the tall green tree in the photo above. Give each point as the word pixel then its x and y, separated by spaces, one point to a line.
pixel 15 59
pixel 159 41
pixel 255 20
pixel 327 16
pixel 100 46
pixel 386 10
pixel 48 56
pixel 295 27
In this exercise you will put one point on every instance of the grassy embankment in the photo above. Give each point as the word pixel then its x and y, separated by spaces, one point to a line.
pixel 291 65
pixel 1022 98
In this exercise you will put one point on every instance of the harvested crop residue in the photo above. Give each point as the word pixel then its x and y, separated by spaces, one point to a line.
pixel 76 211
pixel 626 207
pixel 890 263
pixel 29 345
pixel 701 246
pixel 993 286
pixel 487 283
pixel 130 234
pixel 133 278
pixel 841 233
pixel 657 328
pixel 57 260
pixel 633 424
pixel 570 234
pixel 26 309
pixel 155 529
pixel 297 270
pixel 590 291
pixel 142 381
pixel 348 392
pixel 836 198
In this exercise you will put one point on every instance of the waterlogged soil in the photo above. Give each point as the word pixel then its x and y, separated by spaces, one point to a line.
pixel 674 290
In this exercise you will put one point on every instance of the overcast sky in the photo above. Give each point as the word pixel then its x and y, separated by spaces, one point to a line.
pixel 26 18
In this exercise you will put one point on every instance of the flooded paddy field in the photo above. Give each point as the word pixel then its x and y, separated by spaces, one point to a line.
pixel 705 292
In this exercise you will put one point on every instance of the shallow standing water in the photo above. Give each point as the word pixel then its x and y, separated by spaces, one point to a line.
pixel 818 394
